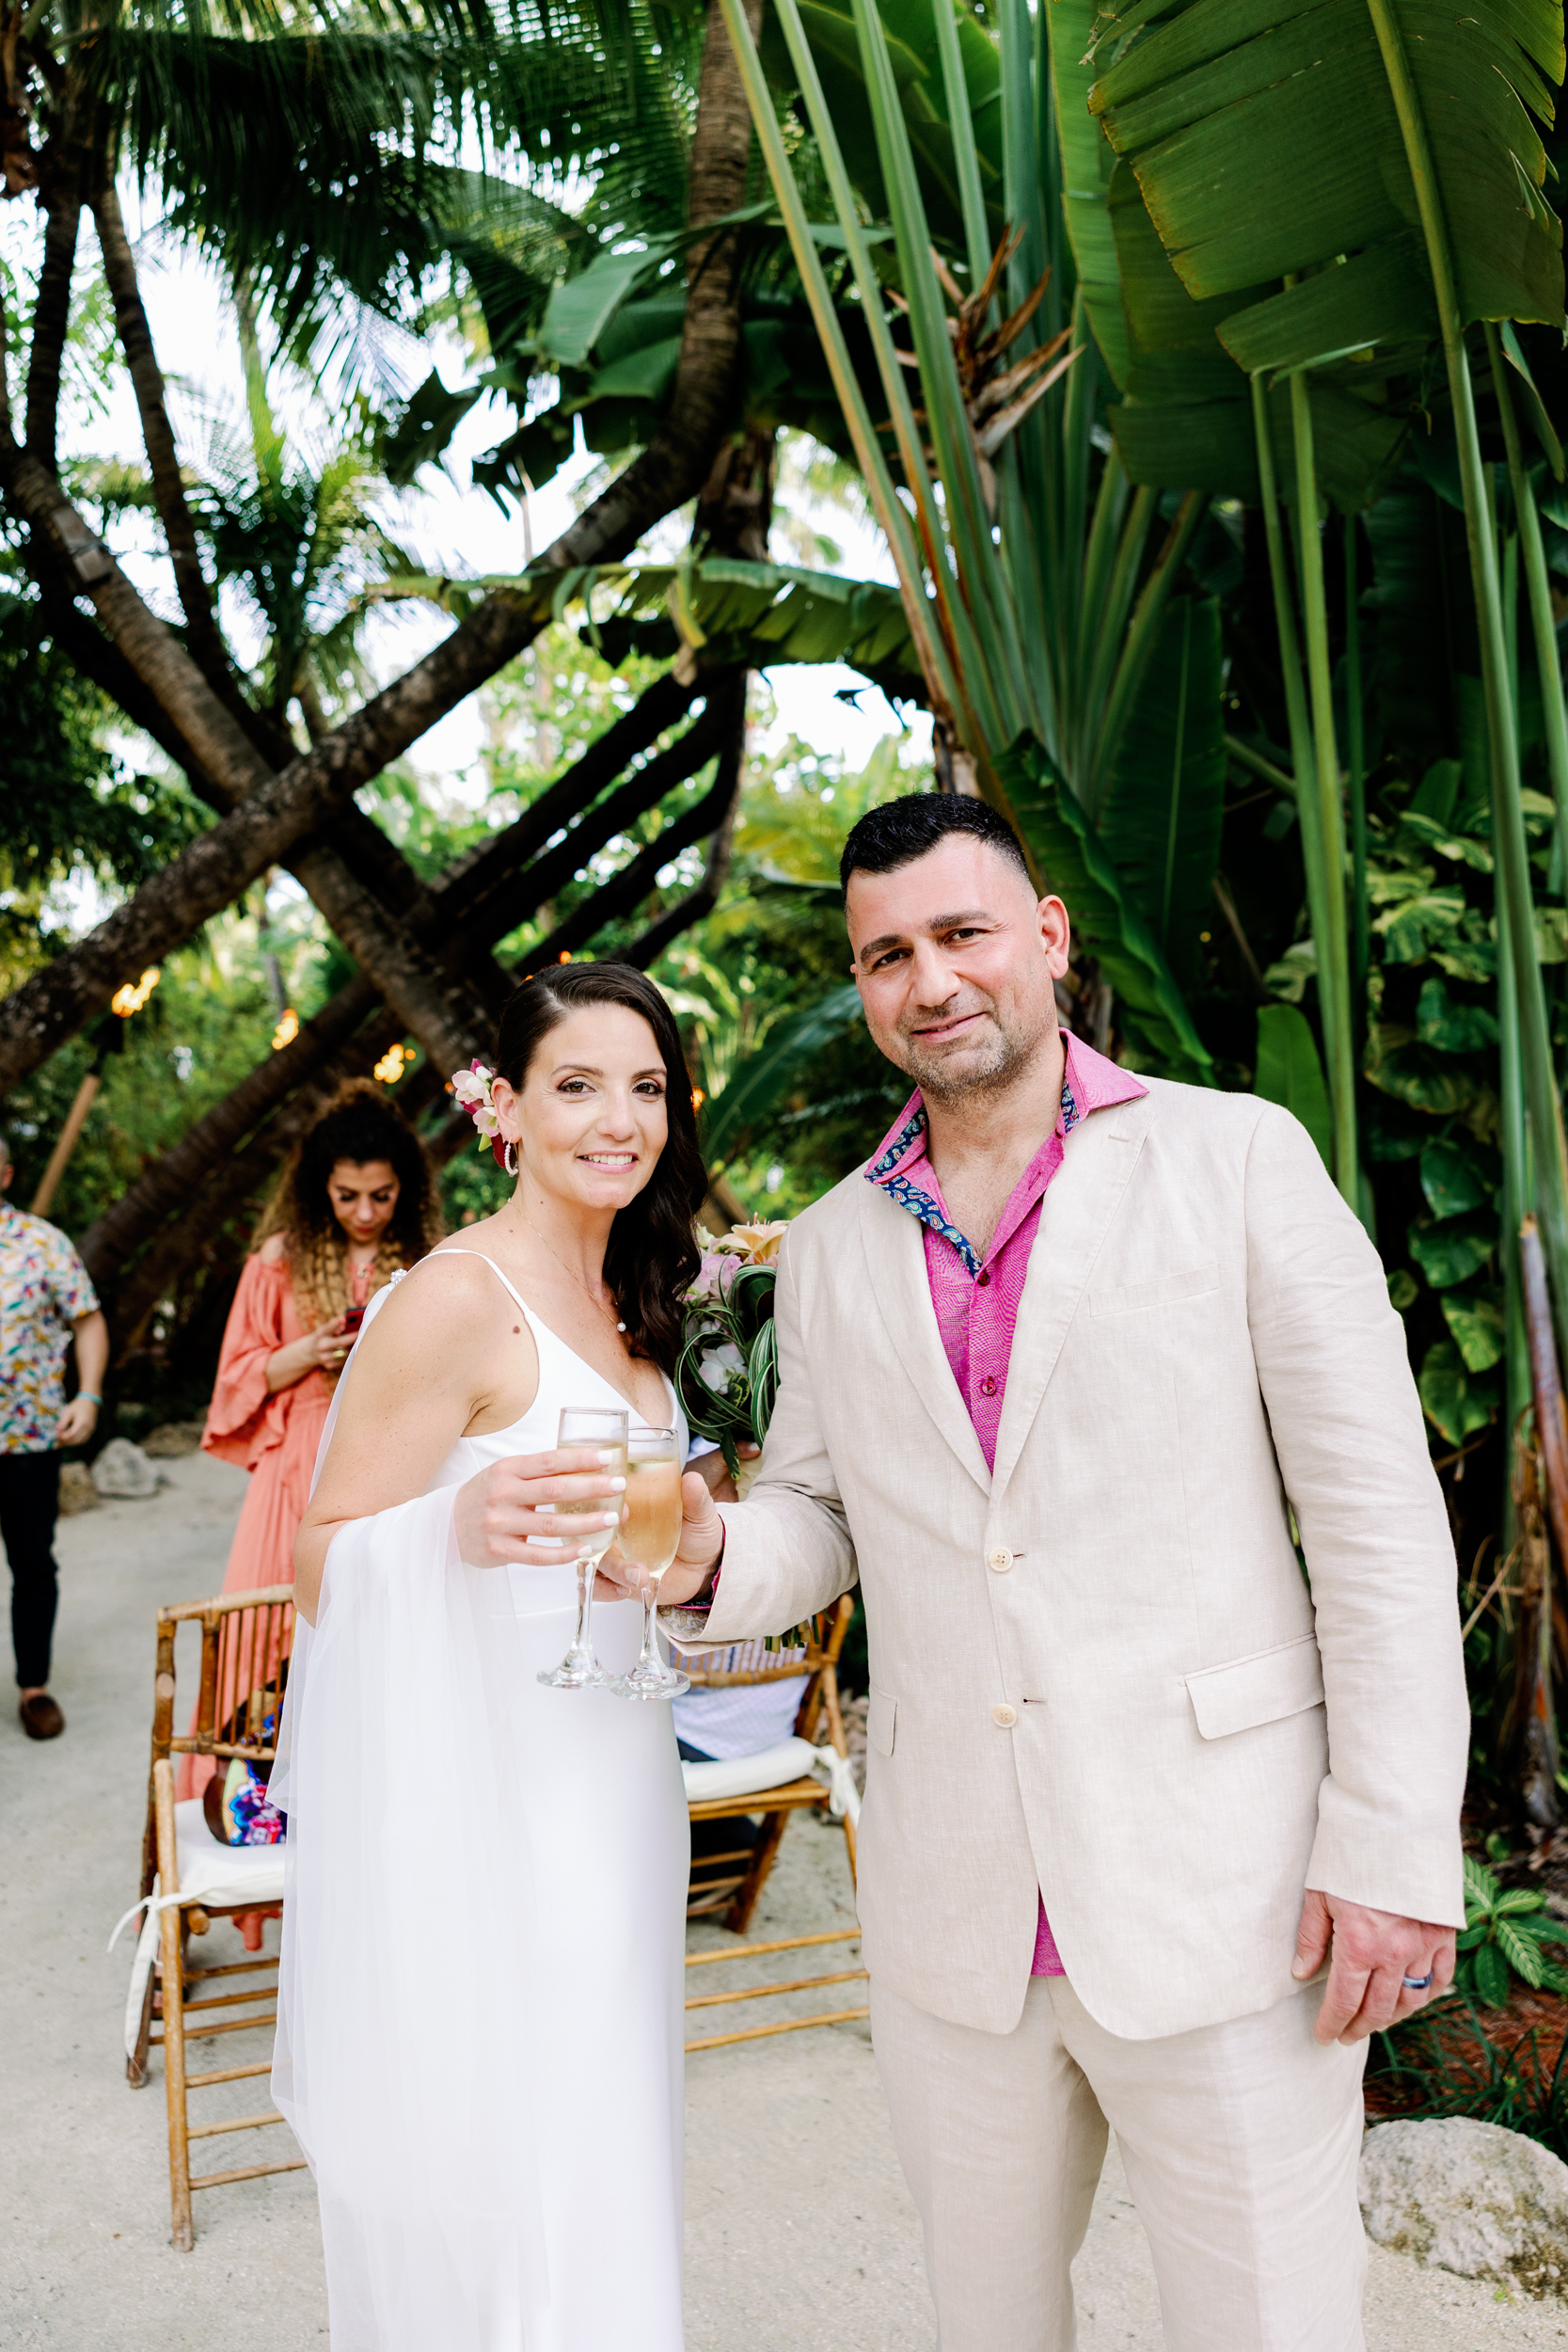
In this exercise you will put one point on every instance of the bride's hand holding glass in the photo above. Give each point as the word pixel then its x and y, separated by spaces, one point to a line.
pixel 510 1516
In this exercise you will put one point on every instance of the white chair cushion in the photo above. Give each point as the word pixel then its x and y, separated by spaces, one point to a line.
pixel 742 1775
pixel 214 1874
pixel 210 1872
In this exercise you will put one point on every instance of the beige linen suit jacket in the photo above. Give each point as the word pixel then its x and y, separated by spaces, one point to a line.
pixel 1099 1670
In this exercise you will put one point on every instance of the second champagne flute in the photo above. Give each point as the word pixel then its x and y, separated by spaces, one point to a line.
pixel 651 1536
pixel 605 1431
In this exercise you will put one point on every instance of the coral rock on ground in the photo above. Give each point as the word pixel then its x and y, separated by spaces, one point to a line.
pixel 1470 2197
pixel 123 1472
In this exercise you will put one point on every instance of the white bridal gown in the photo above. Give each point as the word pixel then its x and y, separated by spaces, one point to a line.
pixel 479 2042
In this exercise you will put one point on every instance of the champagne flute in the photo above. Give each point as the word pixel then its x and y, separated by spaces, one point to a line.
pixel 605 1431
pixel 651 1535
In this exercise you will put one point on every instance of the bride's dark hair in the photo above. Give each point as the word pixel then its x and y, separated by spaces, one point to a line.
pixel 651 1256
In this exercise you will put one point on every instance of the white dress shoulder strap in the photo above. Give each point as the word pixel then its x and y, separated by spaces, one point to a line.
pixel 483 1260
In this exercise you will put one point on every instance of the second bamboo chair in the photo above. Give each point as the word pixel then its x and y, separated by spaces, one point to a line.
pixel 245 1642
pixel 716 1886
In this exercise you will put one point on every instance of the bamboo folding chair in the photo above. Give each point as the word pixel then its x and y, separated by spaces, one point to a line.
pixel 737 1894
pixel 246 1640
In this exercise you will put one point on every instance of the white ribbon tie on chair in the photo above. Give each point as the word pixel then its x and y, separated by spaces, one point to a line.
pixel 846 1797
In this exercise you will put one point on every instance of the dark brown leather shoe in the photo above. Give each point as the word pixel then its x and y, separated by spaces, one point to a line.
pixel 41 1718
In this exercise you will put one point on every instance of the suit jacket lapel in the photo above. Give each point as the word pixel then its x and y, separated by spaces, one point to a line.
pixel 1075 1216
pixel 895 1244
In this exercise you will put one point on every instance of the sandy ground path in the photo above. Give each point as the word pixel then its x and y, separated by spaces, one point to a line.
pixel 800 2233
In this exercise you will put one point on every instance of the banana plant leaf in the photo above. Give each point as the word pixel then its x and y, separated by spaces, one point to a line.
pixel 1289 1072
pixel 1087 165
pixel 781 1065
pixel 916 69
pixel 755 614
pixel 1266 142
pixel 1187 420
pixel 1162 817
pixel 1151 1010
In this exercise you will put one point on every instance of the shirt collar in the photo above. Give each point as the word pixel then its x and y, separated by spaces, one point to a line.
pixel 1091 1082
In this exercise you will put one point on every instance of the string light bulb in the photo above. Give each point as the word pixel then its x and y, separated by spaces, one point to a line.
pixel 390 1067
pixel 287 1029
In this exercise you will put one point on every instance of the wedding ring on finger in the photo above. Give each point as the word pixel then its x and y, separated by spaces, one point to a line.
pixel 1417 1984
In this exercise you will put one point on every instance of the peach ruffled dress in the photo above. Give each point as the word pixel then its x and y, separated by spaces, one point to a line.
pixel 274 1436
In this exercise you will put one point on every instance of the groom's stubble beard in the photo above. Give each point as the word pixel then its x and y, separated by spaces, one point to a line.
pixel 1009 1058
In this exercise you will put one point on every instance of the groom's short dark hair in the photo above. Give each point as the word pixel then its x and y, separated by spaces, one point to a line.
pixel 900 831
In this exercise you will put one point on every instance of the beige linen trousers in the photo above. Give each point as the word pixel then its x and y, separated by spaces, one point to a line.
pixel 1099 1670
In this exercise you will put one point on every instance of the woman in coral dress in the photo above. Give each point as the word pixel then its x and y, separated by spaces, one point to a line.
pixel 355 1203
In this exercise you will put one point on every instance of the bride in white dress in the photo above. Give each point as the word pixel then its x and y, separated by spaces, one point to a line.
pixel 480 2038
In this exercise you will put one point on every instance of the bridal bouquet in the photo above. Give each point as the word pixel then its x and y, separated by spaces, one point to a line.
pixel 728 1373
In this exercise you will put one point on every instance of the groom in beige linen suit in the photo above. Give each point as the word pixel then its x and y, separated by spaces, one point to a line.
pixel 1133 1777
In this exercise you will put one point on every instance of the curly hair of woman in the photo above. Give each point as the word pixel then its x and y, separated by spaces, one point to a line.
pixel 360 1125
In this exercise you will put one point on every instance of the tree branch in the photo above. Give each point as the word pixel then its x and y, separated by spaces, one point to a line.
pixel 634 881
pixel 678 461
pixel 61 193
pixel 170 1182
pixel 135 338
pixel 516 899
pixel 237 1179
pixel 283 809
pixel 698 903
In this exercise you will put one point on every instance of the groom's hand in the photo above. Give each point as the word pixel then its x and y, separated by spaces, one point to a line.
pixel 1374 1951
pixel 702 1541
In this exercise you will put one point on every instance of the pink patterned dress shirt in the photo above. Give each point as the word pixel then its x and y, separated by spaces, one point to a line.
pixel 976 1298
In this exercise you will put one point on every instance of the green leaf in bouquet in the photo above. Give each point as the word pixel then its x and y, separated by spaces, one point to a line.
pixel 763 1370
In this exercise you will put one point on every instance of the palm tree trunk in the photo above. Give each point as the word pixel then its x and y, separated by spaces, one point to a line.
pixel 454 918
pixel 62 207
pixel 678 460
pixel 169 1186
pixel 147 378
pixel 633 883
pixel 283 809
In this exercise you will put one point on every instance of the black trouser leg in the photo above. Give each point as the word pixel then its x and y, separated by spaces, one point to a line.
pixel 29 1505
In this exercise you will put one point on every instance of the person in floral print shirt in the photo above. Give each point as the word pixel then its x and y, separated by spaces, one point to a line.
pixel 45 1297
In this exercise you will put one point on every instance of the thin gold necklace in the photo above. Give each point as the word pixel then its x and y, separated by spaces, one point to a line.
pixel 565 1268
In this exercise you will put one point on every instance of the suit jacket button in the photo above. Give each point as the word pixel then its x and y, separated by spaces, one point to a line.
pixel 1003 1717
pixel 1000 1559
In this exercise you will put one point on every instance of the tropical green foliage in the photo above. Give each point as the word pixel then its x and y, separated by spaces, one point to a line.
pixel 1508 1932
pixel 1448 2062
pixel 72 811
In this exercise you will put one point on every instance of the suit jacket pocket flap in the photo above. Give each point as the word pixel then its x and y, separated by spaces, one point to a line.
pixel 1271 1684
pixel 1167 1290
pixel 880 1715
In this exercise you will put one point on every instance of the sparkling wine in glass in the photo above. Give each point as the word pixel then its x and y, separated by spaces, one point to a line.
pixel 605 1431
pixel 651 1535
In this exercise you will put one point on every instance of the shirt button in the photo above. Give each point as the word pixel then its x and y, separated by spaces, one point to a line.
pixel 1000 1559
pixel 984 1279
pixel 987 1386
pixel 1003 1717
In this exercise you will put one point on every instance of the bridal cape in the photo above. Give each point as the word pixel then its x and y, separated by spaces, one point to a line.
pixel 480 2030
